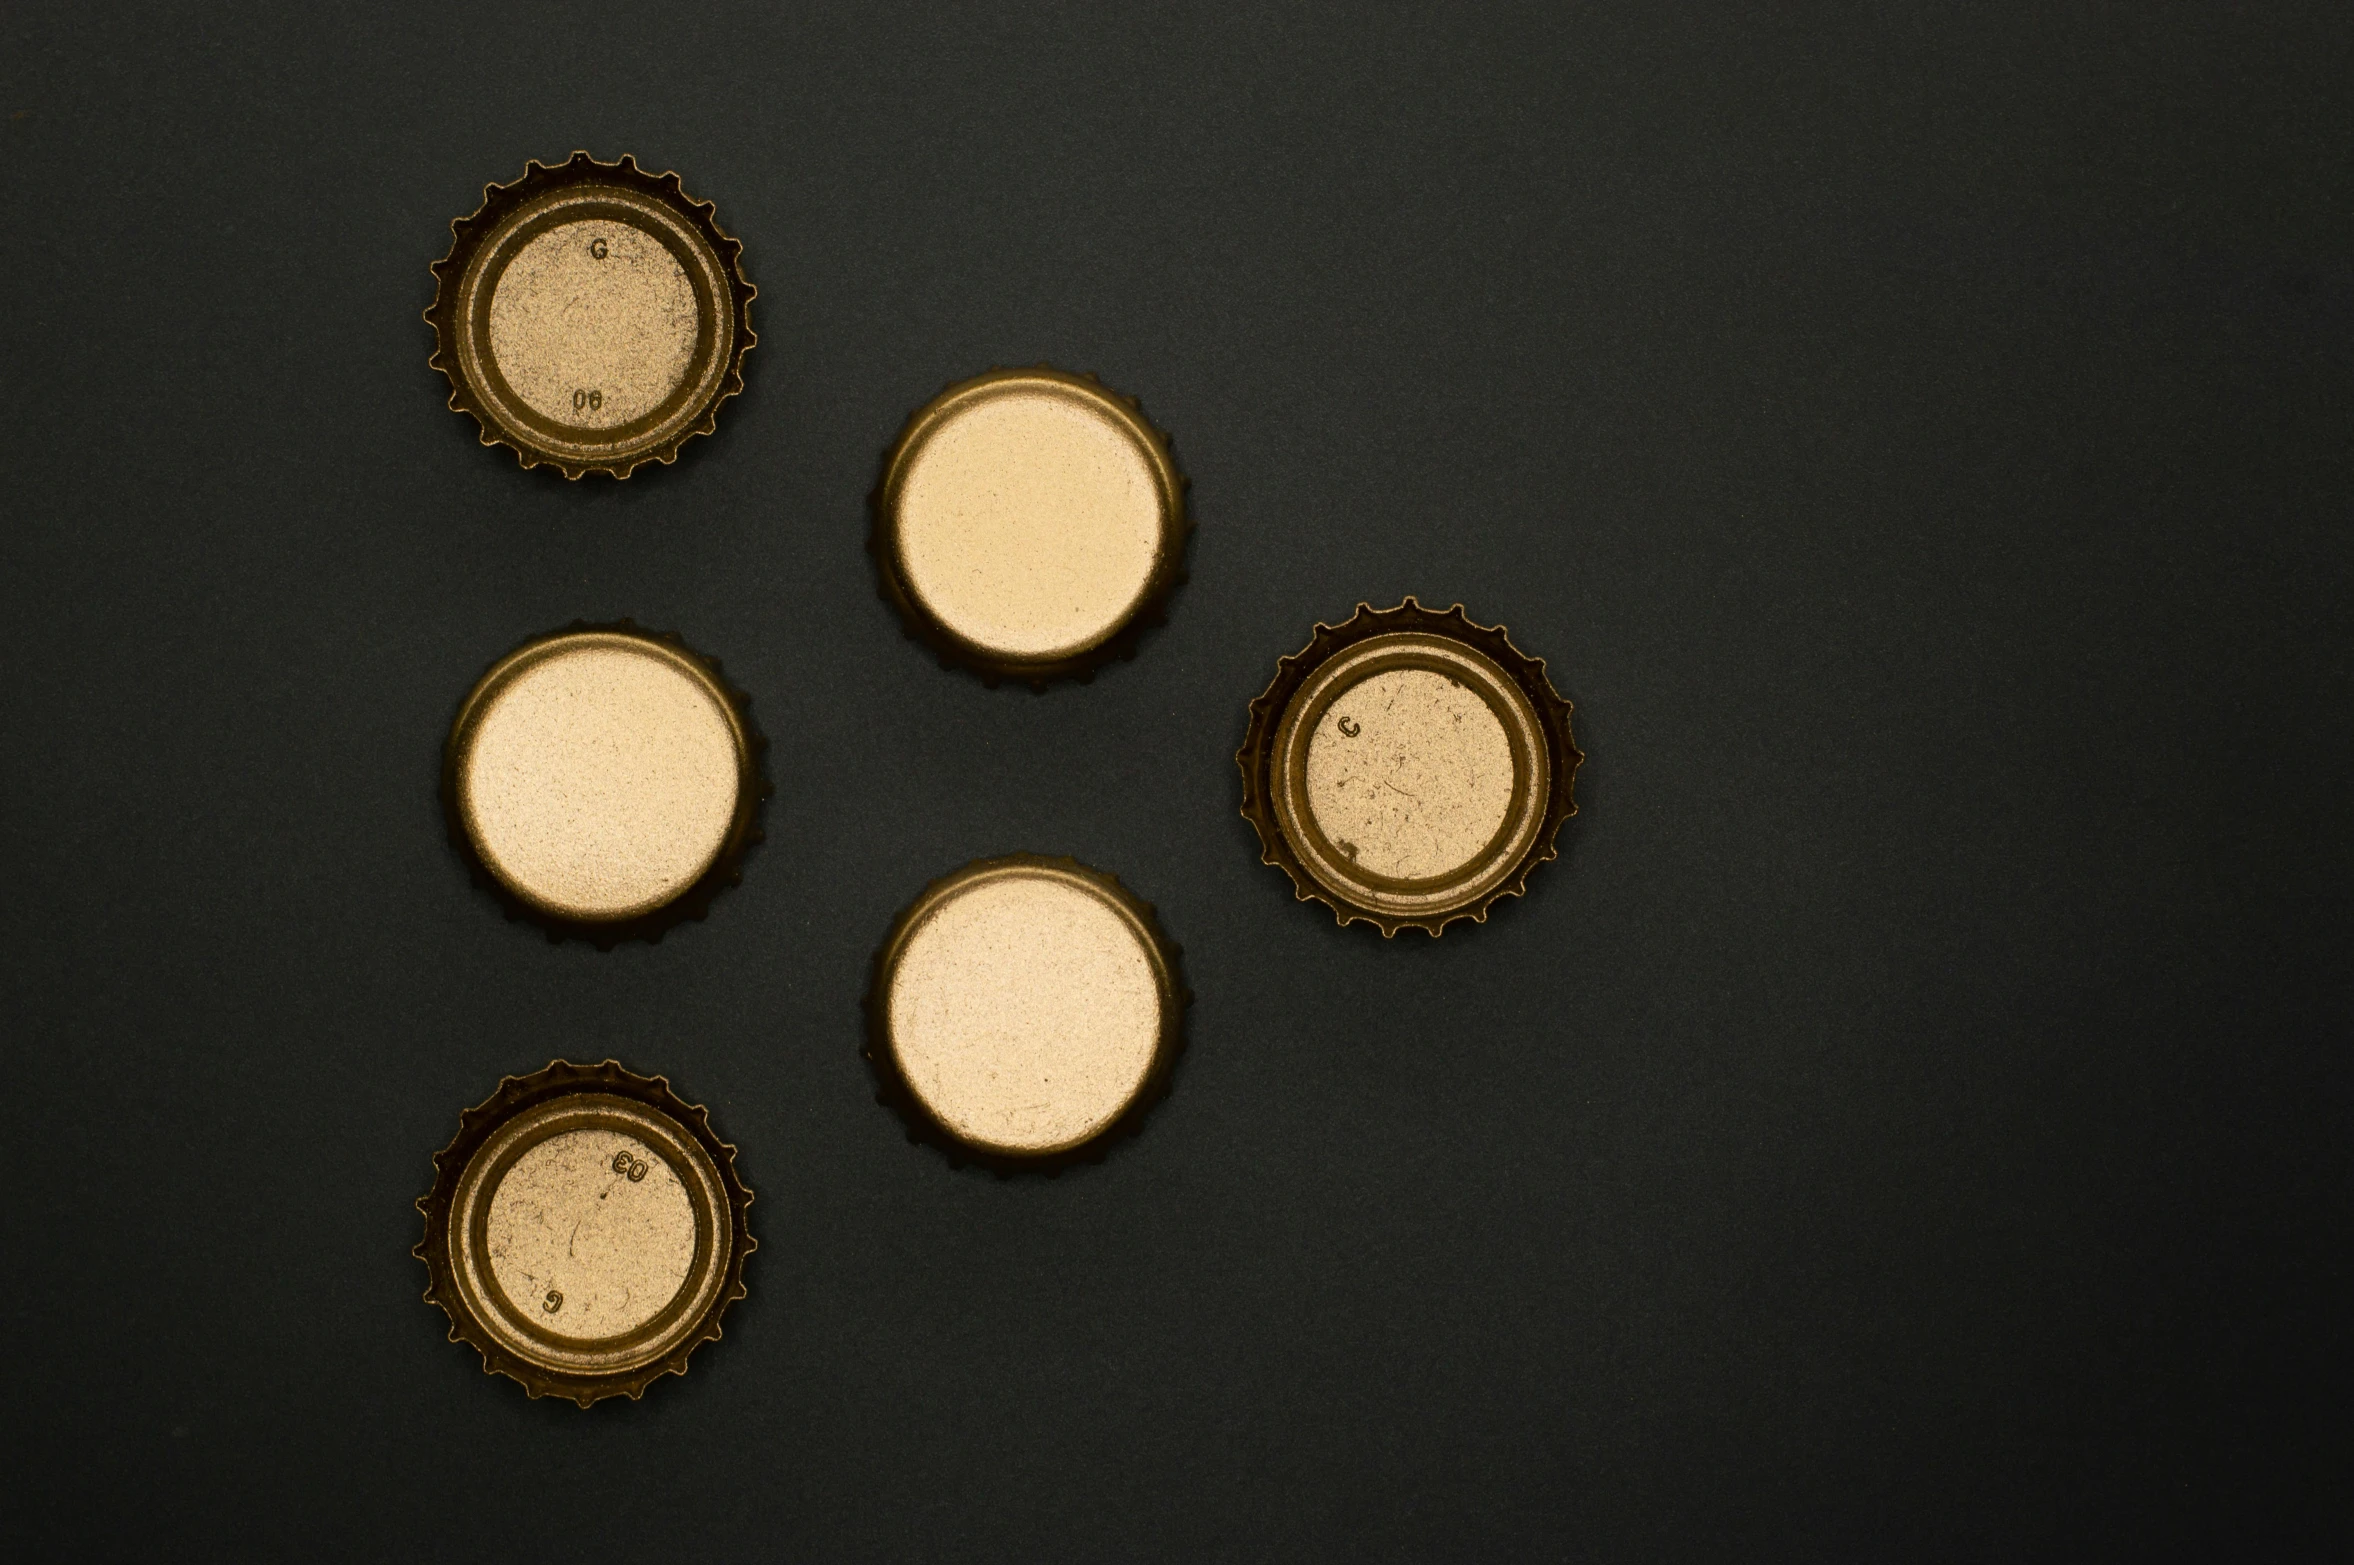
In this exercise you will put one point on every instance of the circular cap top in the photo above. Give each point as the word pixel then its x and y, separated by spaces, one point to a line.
pixel 586 1231
pixel 1025 1005
pixel 591 316
pixel 1409 768
pixel 598 1208
pixel 600 776
pixel 1026 519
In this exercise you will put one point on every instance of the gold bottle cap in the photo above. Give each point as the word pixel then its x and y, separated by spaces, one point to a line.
pixel 1408 767
pixel 1022 1008
pixel 1028 522
pixel 605 780
pixel 591 316
pixel 585 1231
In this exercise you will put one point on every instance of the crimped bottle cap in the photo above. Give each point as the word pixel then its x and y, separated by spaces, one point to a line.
pixel 591 316
pixel 1026 521
pixel 1409 767
pixel 1024 1007
pixel 605 780
pixel 585 1231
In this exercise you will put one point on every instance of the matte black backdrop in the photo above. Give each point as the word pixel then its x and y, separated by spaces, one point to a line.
pixel 1911 1120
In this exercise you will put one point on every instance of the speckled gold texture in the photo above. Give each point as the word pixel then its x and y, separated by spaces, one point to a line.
pixel 593 324
pixel 599 775
pixel 1026 1005
pixel 1026 519
pixel 591 316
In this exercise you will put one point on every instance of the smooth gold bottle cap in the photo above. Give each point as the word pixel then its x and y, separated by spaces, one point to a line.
pixel 1023 1007
pixel 1026 521
pixel 585 1231
pixel 591 316
pixel 605 780
pixel 1409 767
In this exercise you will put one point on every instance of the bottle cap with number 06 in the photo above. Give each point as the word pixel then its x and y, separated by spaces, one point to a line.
pixel 591 316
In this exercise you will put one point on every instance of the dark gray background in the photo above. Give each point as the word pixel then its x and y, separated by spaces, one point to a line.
pixel 1911 1121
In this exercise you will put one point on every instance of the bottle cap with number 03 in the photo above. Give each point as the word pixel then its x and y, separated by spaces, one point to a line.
pixel 604 781
pixel 1408 768
pixel 1029 524
pixel 585 1231
pixel 591 316
pixel 1024 1008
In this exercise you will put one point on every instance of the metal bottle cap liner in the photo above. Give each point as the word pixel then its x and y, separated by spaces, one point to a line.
pixel 591 316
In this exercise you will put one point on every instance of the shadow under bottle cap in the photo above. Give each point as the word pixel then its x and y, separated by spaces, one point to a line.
pixel 591 316
pixel 1408 768
pixel 1028 524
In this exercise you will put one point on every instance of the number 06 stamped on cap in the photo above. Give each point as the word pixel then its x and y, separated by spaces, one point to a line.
pixel 591 316
pixel 585 1232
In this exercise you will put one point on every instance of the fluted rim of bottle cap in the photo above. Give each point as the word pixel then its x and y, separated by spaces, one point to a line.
pixel 729 318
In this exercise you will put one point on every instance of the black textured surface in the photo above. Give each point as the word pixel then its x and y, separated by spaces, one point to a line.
pixel 1910 1122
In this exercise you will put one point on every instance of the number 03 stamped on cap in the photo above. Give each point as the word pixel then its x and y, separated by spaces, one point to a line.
pixel 585 1231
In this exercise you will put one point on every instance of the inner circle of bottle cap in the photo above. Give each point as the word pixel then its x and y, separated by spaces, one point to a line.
pixel 1026 1009
pixel 593 324
pixel 598 775
pixel 1410 774
pixel 1031 516
pixel 590 1234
